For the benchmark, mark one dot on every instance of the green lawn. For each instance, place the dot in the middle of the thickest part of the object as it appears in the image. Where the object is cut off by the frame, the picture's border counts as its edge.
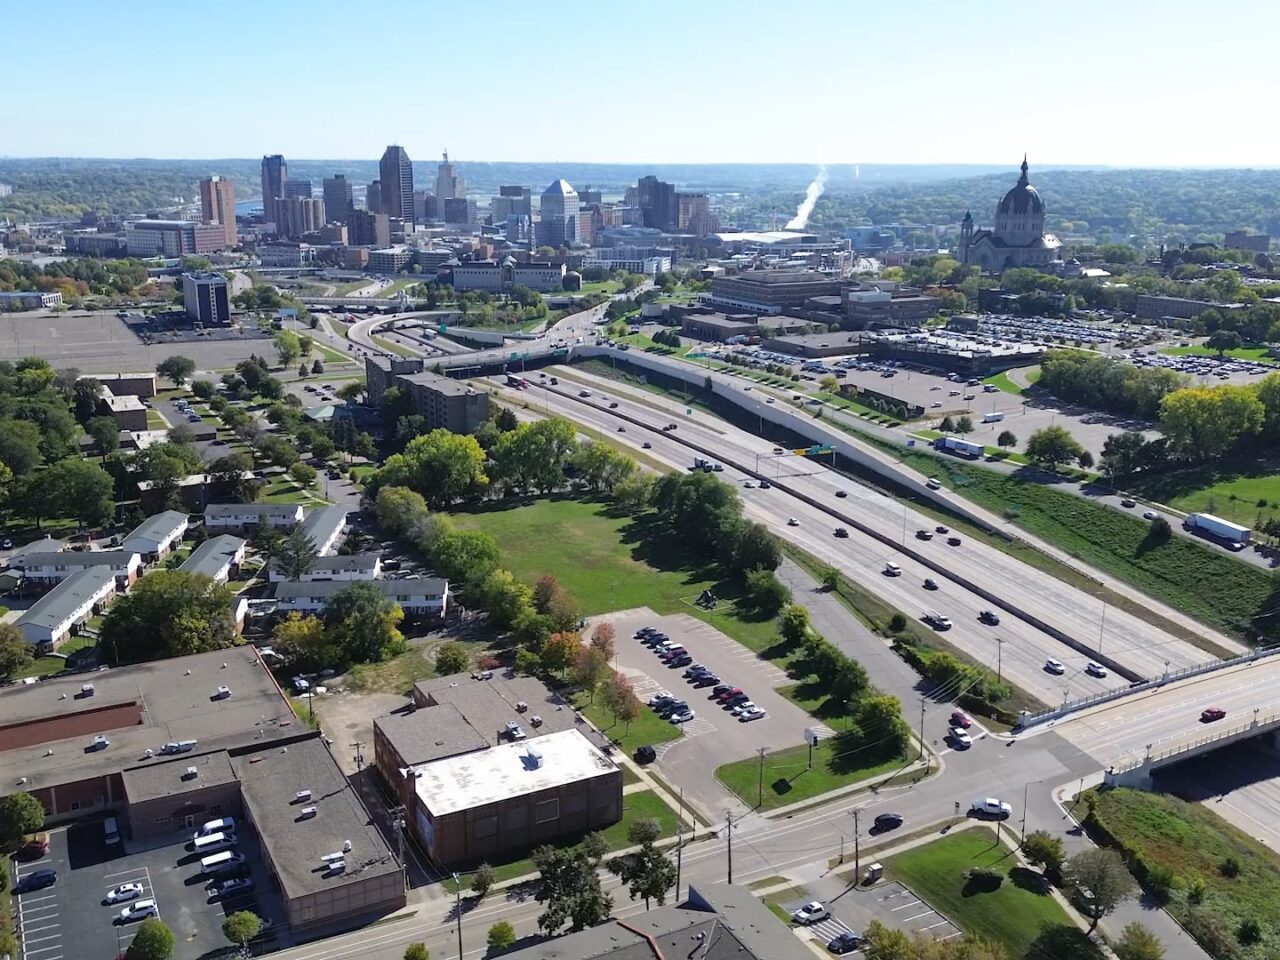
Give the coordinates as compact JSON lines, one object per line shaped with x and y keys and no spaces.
{"x":616,"y":562}
{"x":284,"y":490}
{"x":1190,"y":841}
{"x":787,"y":778}
{"x":326,"y":353}
{"x":606,"y":287}
{"x":1240,"y":493}
{"x":44,"y":666}
{"x":646,"y":728}
{"x":635,"y":806}
{"x":394,"y":347}
{"x":1002,"y":381}
{"x":1014,"y":914}
{"x":155,"y":421}
{"x":1239,"y":353}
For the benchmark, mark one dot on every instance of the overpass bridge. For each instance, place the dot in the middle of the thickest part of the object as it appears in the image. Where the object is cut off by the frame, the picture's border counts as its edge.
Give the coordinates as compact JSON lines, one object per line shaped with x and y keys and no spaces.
{"x":1138,"y":773}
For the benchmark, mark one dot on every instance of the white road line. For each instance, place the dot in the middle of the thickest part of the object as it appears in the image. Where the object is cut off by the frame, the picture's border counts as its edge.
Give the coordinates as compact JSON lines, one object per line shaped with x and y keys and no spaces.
{"x":124,"y":873}
{"x":913,"y":903}
{"x":42,"y":950}
{"x":940,"y":923}
{"x":47,"y":926}
{"x":26,"y":901}
{"x":52,"y":936}
{"x":917,"y":916}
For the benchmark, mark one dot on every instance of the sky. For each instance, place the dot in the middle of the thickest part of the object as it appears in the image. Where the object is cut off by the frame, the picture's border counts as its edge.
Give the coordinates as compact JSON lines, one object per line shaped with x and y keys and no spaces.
{"x":1107,"y":82}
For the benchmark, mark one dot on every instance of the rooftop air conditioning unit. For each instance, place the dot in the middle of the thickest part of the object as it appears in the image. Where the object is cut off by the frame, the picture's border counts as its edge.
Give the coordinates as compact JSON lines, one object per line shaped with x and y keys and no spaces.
{"x":346,"y":846}
{"x":302,"y":796}
{"x":308,"y":812}
{"x":191,"y":773}
{"x":86,"y":690}
{"x":331,"y":857}
{"x":337,"y":866}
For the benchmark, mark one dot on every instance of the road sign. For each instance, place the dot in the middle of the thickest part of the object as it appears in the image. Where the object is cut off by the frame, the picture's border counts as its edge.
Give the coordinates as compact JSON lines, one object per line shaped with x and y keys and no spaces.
{"x":441,"y":328}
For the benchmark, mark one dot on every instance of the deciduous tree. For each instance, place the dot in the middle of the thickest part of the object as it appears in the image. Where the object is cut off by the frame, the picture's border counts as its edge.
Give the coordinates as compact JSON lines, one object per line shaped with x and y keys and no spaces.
{"x":451,"y":657}
{"x":152,"y":941}
{"x":168,"y":613}
{"x":177,"y":368}
{"x":1104,"y":874}
{"x":1138,"y":943}
{"x":20,"y":814}
{"x":15,"y":652}
{"x":241,"y":927}
{"x":569,"y":888}
{"x":1043,"y":849}
{"x":1052,"y":447}
{"x":484,"y":878}
{"x":366,"y":624}
{"x":501,"y":935}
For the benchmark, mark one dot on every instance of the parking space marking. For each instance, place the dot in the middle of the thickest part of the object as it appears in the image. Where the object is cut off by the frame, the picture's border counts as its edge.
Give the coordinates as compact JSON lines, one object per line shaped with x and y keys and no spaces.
{"x":905,"y":906}
{"x":917,"y":916}
{"x":940,"y":923}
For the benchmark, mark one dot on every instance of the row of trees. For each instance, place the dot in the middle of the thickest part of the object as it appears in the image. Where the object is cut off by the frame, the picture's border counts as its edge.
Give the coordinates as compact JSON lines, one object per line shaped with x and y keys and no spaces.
{"x":357,"y":625}
{"x":1105,"y":384}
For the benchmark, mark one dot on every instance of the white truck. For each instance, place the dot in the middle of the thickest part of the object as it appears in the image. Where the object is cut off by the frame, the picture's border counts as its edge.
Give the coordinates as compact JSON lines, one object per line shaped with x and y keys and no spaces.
{"x":993,"y":417}
{"x":962,"y":448}
{"x":1234,"y":535}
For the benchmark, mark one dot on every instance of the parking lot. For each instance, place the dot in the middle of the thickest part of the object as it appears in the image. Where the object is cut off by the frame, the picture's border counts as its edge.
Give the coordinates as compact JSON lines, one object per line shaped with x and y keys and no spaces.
{"x":72,"y":919}
{"x":714,"y":736}
{"x":852,"y":908}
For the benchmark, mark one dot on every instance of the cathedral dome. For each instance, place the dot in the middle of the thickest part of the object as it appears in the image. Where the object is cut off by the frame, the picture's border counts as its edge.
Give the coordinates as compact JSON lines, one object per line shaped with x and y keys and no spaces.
{"x":1022,"y":199}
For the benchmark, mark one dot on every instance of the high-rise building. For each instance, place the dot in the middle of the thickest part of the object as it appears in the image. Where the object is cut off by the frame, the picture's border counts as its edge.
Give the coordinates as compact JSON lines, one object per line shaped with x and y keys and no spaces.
{"x":373,"y":197}
{"x":448,"y":183}
{"x":218,"y":205}
{"x":368,"y":229}
{"x":173,"y":238}
{"x":298,"y":187}
{"x":511,"y":201}
{"x":558,"y":217}
{"x":588,"y":196}
{"x":395,"y":174}
{"x":337,"y":198}
{"x":298,"y":216}
{"x":205,"y":298}
{"x":459,"y":210}
{"x":693,"y":213}
{"x":658,"y":203}
{"x":274,"y":173}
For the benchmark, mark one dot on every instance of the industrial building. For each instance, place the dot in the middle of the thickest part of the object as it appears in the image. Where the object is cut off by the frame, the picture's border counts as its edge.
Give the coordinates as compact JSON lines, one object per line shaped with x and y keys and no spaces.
{"x":772,"y":291}
{"x":816,"y":344}
{"x":444,"y":403}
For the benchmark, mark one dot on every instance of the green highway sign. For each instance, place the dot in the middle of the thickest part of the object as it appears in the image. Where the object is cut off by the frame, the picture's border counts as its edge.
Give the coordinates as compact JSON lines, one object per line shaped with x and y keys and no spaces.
{"x":817,"y":450}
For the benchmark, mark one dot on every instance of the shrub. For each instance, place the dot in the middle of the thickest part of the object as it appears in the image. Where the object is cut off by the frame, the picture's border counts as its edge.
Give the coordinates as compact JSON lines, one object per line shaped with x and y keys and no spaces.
{"x":1249,"y":932}
{"x":897,"y":623}
{"x":1230,"y":867}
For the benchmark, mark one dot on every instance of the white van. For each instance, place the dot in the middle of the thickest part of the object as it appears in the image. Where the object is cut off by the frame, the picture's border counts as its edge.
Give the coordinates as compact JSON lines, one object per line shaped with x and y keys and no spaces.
{"x":221,"y":825}
{"x":219,"y":862}
{"x":213,"y":842}
{"x":111,"y":831}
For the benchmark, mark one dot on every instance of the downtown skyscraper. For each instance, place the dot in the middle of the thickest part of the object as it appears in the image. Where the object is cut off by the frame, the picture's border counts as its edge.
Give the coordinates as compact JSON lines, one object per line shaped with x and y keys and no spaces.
{"x":218,"y":205}
{"x":395,"y":179}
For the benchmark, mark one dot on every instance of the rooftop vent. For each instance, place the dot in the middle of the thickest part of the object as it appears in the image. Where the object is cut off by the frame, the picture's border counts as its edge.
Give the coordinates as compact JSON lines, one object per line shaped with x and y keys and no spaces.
{"x":191,"y":773}
{"x":86,"y":690}
{"x":331,"y":857}
{"x":535,"y":757}
{"x":308,"y":812}
{"x":346,"y":846}
{"x":302,"y":796}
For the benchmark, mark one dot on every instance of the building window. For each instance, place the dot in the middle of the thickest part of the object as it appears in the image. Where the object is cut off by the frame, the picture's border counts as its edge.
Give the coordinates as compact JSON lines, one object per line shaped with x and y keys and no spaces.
{"x":75,"y":804}
{"x":547,"y":810}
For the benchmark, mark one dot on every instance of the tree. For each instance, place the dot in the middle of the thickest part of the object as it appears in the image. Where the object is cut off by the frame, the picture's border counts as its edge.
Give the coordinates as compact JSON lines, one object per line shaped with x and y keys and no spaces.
{"x":444,"y":467}
{"x":1137,"y":943}
{"x":766,"y":592}
{"x":602,"y":639}
{"x":351,"y":392}
{"x":152,"y":941}
{"x":644,"y":830}
{"x":20,"y":814}
{"x":964,"y":424}
{"x":1223,"y":340}
{"x":168,"y":613}
{"x":398,"y":509}
{"x":620,"y":699}
{"x":202,"y":389}
{"x":452,"y":657}
{"x":1052,"y":446}
{"x":947,"y":425}
{"x":317,"y":367}
{"x":484,"y":878}
{"x":176,"y":368}
{"x":1085,"y":460}
{"x":506,"y":419}
{"x":365,"y":624}
{"x":754,"y":548}
{"x":569,"y":887}
{"x":277,"y":451}
{"x":883,"y":943}
{"x":15,"y":652}
{"x":1042,"y":849}
{"x":241,"y":927}
{"x":501,"y":935}
{"x":464,"y":554}
{"x":417,"y":951}
{"x":287,"y":346}
{"x":1007,"y":439}
{"x":20,"y":446}
{"x":105,"y":433}
{"x":80,"y":489}
{"x":794,"y":624}
{"x":589,"y":669}
{"x":830,"y":578}
{"x":302,"y":638}
{"x":1105,"y":875}
{"x":1202,"y":423}
{"x":303,"y":474}
{"x":296,"y":555}
{"x":558,"y":652}
{"x":647,"y":873}
{"x":533,"y":455}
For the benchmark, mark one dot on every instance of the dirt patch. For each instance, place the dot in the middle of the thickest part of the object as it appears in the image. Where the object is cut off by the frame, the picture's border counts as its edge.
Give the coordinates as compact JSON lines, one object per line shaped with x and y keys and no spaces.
{"x":347,"y":719}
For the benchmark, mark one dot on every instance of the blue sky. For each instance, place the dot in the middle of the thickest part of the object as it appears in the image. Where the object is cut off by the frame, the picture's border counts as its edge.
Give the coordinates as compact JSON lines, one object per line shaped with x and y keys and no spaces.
{"x":1121,"y":83}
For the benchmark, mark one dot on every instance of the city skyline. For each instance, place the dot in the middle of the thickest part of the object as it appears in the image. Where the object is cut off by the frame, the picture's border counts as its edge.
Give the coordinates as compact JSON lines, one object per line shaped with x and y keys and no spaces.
{"x":1040,"y":81}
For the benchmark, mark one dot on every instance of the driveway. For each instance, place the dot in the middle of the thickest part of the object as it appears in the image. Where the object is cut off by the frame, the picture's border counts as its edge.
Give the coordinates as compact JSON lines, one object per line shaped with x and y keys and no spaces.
{"x":714,"y":737}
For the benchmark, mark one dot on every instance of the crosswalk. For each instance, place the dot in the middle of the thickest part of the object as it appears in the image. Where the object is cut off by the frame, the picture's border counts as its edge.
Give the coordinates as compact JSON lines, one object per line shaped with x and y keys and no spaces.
{"x":830,"y":928}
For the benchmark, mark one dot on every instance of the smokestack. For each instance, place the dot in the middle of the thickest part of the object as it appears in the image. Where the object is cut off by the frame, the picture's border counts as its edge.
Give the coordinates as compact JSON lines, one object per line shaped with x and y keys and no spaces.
{"x":811,"y":195}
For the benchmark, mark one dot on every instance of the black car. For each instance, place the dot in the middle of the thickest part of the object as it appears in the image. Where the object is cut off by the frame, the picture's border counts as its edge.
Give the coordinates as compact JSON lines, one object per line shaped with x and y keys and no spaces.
{"x":721,"y":688}
{"x":706,"y":680}
{"x":645,"y":754}
{"x":645,"y":631}
{"x":845,"y":942}
{"x":842,"y":494}
{"x":954,"y":541}
{"x":696,"y":669}
{"x":36,"y":880}
{"x":989,"y":617}
{"x":734,"y":701}
{"x":681,"y":661}
{"x":675,"y":706}
{"x":765,"y":484}
{"x":653,"y":639}
{"x":888,"y":821}
{"x":662,"y":702}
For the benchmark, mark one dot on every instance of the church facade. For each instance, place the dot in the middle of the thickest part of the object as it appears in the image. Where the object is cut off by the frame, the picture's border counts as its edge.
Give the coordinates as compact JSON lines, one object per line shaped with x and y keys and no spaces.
{"x":1018,"y":238}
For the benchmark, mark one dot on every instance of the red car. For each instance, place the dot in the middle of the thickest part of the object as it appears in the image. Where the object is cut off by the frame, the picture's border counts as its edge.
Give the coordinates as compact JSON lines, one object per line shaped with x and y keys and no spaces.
{"x":961,"y":719}
{"x":1212,"y":714}
{"x":729,"y":694}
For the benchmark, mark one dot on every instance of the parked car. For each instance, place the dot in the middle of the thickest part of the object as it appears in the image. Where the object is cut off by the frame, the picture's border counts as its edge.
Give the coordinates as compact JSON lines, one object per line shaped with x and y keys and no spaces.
{"x":231,"y":887}
{"x":729,"y":694}
{"x":36,"y":880}
{"x":645,"y":754}
{"x":126,"y":891}
{"x":138,"y":910}
{"x":845,"y":942}
{"x":960,"y":737}
{"x":683,"y":660}
{"x":755,"y":713}
{"x":681,"y":716}
{"x":810,"y":913}
{"x":742,"y":707}
{"x":706,"y":680}
{"x":34,"y":848}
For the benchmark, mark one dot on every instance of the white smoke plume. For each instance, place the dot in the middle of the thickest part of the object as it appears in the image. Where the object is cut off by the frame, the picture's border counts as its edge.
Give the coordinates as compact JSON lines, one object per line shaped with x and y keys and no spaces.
{"x":811,"y":195}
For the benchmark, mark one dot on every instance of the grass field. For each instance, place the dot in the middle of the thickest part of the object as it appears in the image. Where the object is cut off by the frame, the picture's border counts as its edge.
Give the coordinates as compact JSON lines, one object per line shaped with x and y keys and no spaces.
{"x":1002,"y":381}
{"x":1239,"y":353}
{"x":787,"y":779}
{"x":394,"y":347}
{"x":1241,"y":494}
{"x":1208,"y":585}
{"x":1027,"y":922}
{"x":606,"y":287}
{"x":1189,"y":842}
{"x":44,"y":666}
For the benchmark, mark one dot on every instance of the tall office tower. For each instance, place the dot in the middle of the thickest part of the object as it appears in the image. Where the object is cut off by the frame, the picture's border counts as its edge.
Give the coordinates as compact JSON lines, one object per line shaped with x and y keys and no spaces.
{"x":337,"y":198}
{"x":395,"y":173}
{"x":218,"y":205}
{"x":511,"y":201}
{"x":274,"y":173}
{"x":558,"y":217}
{"x":658,"y":203}
{"x":448,"y":184}
{"x":366,"y":229}
{"x":298,"y":187}
{"x":373,"y":197}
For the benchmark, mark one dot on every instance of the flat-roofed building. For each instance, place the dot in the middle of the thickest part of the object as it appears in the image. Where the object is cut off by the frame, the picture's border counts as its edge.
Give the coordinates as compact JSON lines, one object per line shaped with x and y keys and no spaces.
{"x":443,"y":402}
{"x":246,"y":516}
{"x":356,"y":566}
{"x":59,"y":614}
{"x":128,"y":412}
{"x":815,"y":344}
{"x":1153,"y":306}
{"x":403,"y":740}
{"x":218,"y":558}
{"x":323,"y":526}
{"x":427,"y":597}
{"x":157,"y":535}
{"x":173,"y":238}
{"x":772,"y":291}
{"x":46,"y":569}
{"x":390,"y":260}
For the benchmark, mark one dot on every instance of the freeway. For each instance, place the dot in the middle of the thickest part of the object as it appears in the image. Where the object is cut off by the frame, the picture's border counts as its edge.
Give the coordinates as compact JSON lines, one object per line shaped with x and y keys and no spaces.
{"x":1131,"y":641}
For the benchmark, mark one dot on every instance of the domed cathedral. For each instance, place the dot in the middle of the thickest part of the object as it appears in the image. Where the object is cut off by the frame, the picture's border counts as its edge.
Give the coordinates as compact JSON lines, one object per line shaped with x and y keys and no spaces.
{"x":1018,"y":239}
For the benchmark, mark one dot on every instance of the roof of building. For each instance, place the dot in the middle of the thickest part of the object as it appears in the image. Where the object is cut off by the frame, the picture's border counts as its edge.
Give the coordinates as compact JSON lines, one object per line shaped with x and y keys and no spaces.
{"x":74,"y":558}
{"x":490,"y":704}
{"x":434,"y":381}
{"x":323,"y":522}
{"x":211,"y":556}
{"x":720,"y":320}
{"x":1022,"y":198}
{"x":67,"y":597}
{"x":509,"y":770}
{"x":172,"y":778}
{"x":774,"y":277}
{"x":431,"y":733}
{"x":261,"y":509}
{"x":426,"y":586}
{"x":723,"y":923}
{"x":158,"y":527}
{"x":43,"y":545}
{"x":140,"y":707}
{"x":351,"y":563}
{"x":559,"y":188}
{"x":270,"y":780}
{"x":123,"y":403}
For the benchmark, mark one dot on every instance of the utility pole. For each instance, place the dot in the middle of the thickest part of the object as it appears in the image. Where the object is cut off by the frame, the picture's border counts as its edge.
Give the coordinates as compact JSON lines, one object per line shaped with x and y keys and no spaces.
{"x":729,"y":818}
{"x":999,"y":660}
{"x":679,"y":842}
{"x":922,"y":704}
{"x":457,"y":896}
{"x":760,"y":780}
{"x":857,"y":846}
{"x":358,"y":744}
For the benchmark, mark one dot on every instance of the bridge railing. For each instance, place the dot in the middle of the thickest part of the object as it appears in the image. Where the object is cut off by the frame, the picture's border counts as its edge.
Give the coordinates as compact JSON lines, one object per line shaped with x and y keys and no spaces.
{"x":1173,"y":676}
{"x":1255,"y":725}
